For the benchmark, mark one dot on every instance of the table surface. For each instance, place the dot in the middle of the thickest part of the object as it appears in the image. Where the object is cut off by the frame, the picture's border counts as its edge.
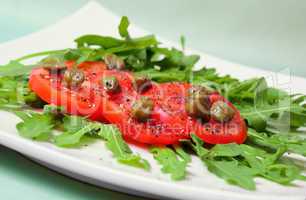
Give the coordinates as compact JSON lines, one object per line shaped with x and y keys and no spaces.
{"x":264,"y":34}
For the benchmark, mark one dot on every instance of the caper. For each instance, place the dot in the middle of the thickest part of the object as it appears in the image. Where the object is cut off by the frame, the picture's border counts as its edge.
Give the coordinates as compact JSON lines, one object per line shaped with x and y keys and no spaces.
{"x":53,"y":63}
{"x":74,"y":77}
{"x":201,"y":90}
{"x":142,"y":109}
{"x":142,"y":83}
{"x":111,"y":84}
{"x":114,"y":62}
{"x":221,"y":111}
{"x":197,"y":102}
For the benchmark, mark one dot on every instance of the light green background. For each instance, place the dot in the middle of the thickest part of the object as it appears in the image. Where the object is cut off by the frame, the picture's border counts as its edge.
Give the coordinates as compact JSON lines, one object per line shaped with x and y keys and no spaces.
{"x":268,"y":34}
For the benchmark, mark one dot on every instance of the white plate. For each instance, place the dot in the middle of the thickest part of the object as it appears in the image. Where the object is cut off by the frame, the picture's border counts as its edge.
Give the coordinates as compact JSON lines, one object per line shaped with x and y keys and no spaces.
{"x":94,"y":163}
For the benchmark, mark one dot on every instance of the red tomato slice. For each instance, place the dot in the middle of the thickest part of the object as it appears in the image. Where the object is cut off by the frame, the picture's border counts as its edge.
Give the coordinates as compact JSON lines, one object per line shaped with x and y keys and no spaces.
{"x":85,"y":100}
{"x":161,"y":128}
{"x":172,"y":96}
{"x":214,"y":132}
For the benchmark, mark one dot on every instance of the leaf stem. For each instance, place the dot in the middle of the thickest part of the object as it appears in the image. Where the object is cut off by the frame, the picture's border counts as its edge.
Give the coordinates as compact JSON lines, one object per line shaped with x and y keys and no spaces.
{"x":43,"y":53}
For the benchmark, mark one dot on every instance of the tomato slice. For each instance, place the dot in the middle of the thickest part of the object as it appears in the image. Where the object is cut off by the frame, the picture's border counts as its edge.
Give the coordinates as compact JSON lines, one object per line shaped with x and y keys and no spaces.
{"x":172,"y":99}
{"x":214,"y":132}
{"x":161,"y":128}
{"x":85,"y":100}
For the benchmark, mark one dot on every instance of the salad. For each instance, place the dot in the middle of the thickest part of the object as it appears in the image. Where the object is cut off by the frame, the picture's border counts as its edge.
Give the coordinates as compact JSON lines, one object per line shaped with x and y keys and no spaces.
{"x":134,"y":90}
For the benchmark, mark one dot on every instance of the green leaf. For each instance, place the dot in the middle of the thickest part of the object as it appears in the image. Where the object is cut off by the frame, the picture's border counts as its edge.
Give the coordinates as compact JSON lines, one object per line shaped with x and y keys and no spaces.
{"x":105,"y":42}
{"x":198,"y":146}
{"x":68,"y":139}
{"x":232,"y":172}
{"x":164,"y":75}
{"x":134,"y":44}
{"x":83,"y":54}
{"x":120,"y":149}
{"x":72,"y":123}
{"x":40,"y":54}
{"x":211,"y":77}
{"x":111,"y":45}
{"x":182,"y":153}
{"x":170,"y":162}
{"x":253,"y":90}
{"x":35,"y":126}
{"x":240,"y":164}
{"x":225,"y":150}
{"x":15,"y":68}
{"x":76,"y":128}
{"x":15,"y":93}
{"x":183,"y":42}
{"x":52,"y":109}
{"x":174,"y":58}
{"x":135,"y":161}
{"x":123,"y":27}
{"x":283,"y":174}
{"x":293,"y":143}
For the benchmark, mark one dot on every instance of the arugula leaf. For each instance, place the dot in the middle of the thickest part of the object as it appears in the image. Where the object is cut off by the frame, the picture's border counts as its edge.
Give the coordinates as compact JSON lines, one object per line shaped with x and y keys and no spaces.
{"x":119,"y":148}
{"x":250,"y":162}
{"x":40,"y":54}
{"x":293,"y":143}
{"x":73,"y":123}
{"x":170,"y":162}
{"x":76,"y":128}
{"x":83,"y":54}
{"x":123,"y":27}
{"x":174,"y":58}
{"x":164,"y":75}
{"x":113,"y":45}
{"x":183,"y":42}
{"x":198,"y":146}
{"x":16,"y":94}
{"x":248,"y":90}
{"x":68,"y":139}
{"x":104,"y":42}
{"x":182,"y":153}
{"x":265,"y":108}
{"x":134,"y":44}
{"x":225,"y":150}
{"x":15,"y":68}
{"x":52,"y":109}
{"x":232,"y":172}
{"x":210,"y":77}
{"x":240,"y":164}
{"x":35,"y":126}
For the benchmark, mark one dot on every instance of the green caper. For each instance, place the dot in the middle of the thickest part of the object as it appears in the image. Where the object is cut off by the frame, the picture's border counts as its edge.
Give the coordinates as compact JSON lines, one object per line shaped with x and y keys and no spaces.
{"x":74,"y":77}
{"x":53,"y":63}
{"x":197,"y":102}
{"x":111,"y":84}
{"x":201,"y":90}
{"x":221,"y":111}
{"x":142,"y":109}
{"x":142,"y":83}
{"x":114,"y":62}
